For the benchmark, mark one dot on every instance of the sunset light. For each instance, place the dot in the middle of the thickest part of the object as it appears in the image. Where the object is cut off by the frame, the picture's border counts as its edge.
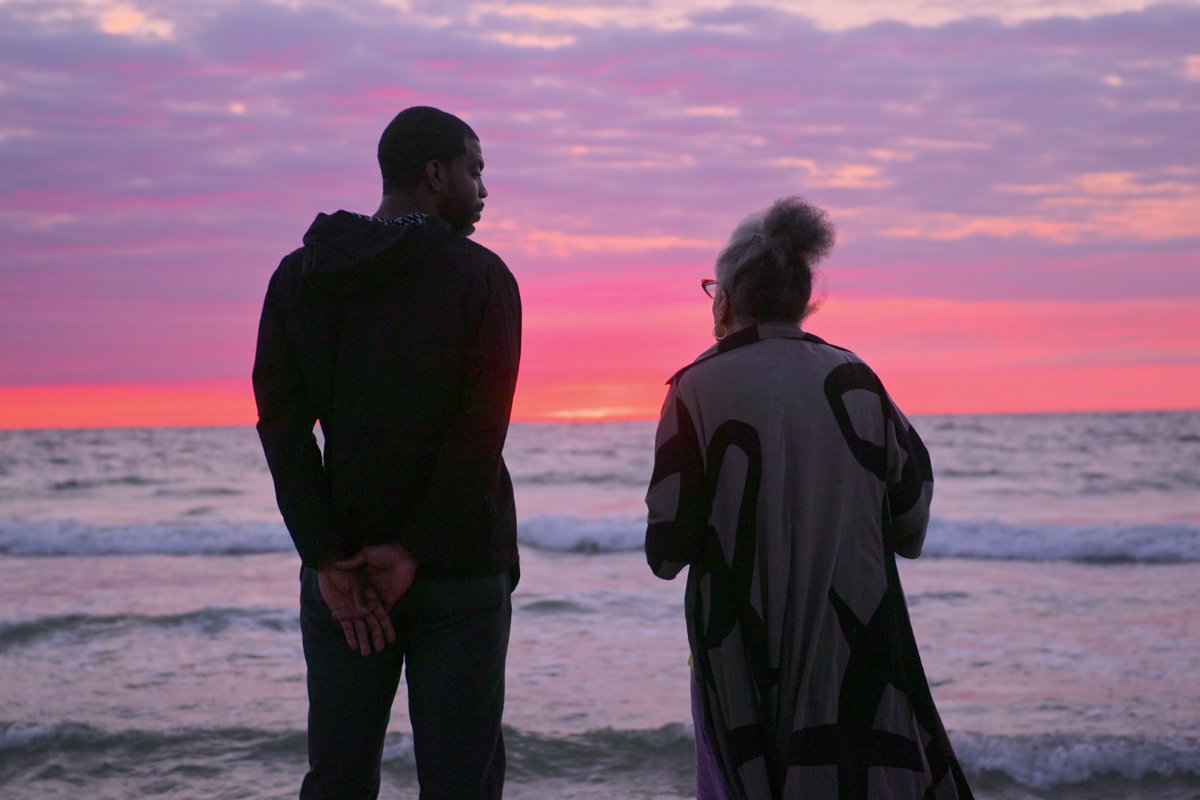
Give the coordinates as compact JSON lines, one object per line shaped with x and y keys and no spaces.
{"x":1016,"y":195}
{"x":945,"y":542}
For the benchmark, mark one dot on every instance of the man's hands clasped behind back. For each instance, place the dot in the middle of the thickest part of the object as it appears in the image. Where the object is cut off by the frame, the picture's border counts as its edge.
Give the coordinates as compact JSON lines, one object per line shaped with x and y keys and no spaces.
{"x":361,"y":591}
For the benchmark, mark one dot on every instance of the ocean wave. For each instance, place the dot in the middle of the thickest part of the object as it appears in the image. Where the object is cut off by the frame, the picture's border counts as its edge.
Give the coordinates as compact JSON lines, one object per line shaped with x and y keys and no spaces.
{"x":1037,"y":761}
{"x":978,"y":539}
{"x":1086,"y":543}
{"x":75,"y":629}
{"x":624,"y":480}
{"x":78,"y":484}
{"x":17,"y":738}
{"x":604,"y":752}
{"x":70,"y":537}
{"x":569,"y":534}
{"x":1048,"y":760}
{"x":530,"y":755}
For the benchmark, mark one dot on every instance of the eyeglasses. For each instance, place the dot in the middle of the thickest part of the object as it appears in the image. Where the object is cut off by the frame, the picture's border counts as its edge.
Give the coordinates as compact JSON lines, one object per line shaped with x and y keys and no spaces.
{"x":709,"y":285}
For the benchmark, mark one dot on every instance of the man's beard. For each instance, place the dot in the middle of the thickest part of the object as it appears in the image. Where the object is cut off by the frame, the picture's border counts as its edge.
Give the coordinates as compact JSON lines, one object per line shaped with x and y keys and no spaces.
{"x":463,"y":228}
{"x":460,"y":219}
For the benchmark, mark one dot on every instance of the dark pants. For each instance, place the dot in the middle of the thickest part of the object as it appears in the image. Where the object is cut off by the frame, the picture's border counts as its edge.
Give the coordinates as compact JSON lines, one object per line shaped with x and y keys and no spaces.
{"x":454,"y":637}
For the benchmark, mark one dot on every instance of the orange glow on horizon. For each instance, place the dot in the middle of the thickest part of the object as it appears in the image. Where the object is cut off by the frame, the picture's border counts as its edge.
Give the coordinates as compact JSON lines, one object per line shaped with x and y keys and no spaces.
{"x":918,"y":391}
{"x":583,"y":361}
{"x":127,"y":406}
{"x":220,"y":403}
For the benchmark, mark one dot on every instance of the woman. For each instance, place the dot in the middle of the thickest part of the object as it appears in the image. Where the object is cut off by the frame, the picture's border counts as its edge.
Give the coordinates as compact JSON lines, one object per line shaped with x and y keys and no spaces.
{"x":786,"y":480}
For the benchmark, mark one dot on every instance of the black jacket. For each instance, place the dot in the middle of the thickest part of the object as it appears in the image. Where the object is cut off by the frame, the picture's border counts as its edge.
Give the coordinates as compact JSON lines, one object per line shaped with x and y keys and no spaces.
{"x":403,"y":341}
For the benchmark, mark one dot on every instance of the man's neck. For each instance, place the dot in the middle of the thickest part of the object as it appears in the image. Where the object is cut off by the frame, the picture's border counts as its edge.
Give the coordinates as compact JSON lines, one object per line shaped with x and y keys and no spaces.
{"x":398,"y":205}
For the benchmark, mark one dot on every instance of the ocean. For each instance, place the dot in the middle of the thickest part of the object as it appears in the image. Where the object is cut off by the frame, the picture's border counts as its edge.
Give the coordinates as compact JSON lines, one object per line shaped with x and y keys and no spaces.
{"x":150,"y":646}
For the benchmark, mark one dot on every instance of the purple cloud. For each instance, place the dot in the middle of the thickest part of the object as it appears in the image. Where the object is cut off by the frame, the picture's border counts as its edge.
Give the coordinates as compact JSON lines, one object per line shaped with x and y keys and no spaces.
{"x":150,"y":182}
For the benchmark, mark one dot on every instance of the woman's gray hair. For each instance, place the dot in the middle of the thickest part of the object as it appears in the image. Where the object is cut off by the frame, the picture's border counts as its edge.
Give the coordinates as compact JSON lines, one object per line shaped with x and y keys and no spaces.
{"x":767,"y":267}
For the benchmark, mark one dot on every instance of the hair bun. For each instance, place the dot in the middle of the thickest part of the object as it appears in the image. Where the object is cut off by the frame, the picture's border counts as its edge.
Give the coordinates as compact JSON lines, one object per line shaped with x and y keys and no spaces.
{"x":796,"y":231}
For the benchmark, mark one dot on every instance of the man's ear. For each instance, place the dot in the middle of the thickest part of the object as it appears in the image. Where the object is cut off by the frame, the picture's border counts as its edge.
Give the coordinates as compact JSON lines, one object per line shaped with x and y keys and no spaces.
{"x":435,"y":175}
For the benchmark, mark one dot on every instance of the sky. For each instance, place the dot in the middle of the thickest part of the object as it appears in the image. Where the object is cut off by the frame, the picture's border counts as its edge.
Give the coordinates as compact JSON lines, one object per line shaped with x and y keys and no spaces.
{"x":1015,"y":184}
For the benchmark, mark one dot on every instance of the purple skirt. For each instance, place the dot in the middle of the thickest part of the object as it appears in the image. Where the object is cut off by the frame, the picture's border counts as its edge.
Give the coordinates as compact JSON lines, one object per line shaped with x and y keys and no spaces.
{"x":710,"y":785}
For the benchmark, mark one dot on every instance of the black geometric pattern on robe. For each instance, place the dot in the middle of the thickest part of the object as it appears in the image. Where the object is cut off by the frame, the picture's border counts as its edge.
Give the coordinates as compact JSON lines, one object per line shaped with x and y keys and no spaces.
{"x":938,"y":752}
{"x":730,"y":606}
{"x":873,"y":457}
{"x":883,"y":652}
{"x":729,"y":583}
{"x":679,"y":455}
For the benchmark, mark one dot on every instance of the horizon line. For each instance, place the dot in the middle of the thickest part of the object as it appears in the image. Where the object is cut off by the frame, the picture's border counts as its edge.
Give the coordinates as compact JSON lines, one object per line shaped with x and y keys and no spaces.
{"x":230,"y":403}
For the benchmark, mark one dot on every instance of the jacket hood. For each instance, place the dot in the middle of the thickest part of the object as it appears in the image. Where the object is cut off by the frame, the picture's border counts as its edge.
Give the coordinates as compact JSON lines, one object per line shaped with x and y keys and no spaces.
{"x":346,"y":251}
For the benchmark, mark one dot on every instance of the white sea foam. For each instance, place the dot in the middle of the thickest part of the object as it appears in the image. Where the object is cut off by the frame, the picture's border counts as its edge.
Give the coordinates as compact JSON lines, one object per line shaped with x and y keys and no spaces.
{"x":575,"y":534}
{"x":1049,"y":760}
{"x":980,"y":539}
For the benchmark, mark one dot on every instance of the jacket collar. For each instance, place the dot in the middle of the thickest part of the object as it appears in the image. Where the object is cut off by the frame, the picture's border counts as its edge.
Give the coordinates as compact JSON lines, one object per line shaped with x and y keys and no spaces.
{"x":750,"y":335}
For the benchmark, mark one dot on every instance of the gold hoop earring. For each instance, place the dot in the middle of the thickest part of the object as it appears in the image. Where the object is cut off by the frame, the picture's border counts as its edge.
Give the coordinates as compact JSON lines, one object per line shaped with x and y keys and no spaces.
{"x":719,"y":331}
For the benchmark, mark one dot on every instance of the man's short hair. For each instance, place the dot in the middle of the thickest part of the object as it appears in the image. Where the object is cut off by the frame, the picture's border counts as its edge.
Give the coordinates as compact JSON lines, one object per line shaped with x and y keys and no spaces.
{"x":415,"y":137}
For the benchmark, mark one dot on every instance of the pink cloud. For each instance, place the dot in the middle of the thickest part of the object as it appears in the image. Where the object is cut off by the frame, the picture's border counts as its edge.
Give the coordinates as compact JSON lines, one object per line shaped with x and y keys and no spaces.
{"x":149,"y":184}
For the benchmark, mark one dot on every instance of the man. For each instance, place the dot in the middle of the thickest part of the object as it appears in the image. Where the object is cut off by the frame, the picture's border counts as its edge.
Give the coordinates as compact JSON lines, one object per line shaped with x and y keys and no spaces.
{"x":402,"y":338}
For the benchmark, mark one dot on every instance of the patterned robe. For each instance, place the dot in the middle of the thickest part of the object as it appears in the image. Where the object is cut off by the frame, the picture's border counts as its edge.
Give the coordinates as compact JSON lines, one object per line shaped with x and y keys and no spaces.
{"x":787,"y":480}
